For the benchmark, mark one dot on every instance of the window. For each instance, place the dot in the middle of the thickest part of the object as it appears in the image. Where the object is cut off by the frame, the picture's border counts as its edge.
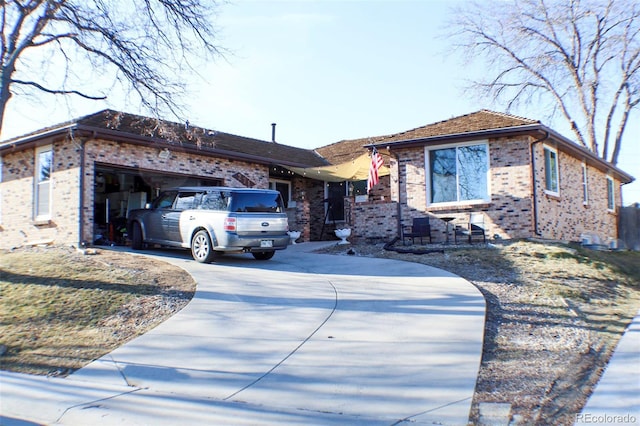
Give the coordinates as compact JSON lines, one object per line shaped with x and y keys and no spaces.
{"x":358,"y":187}
{"x":214,"y":200}
{"x":246,"y":202}
{"x":284,"y":187}
{"x":551,"y":170}
{"x":458,"y":174}
{"x":165,"y":200}
{"x":611,"y":205}
{"x":44,"y":167}
{"x":185,"y":201}
{"x":585,"y":186}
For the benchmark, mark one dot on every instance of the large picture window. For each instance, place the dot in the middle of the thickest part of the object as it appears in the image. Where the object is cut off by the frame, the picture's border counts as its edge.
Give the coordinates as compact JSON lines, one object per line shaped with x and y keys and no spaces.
{"x":458,"y":174}
{"x":551,"y":170}
{"x":44,"y":167}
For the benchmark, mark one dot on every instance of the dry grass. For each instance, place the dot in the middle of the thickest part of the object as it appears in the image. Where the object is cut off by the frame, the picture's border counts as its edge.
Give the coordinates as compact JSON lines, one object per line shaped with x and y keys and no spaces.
{"x":60,"y":309}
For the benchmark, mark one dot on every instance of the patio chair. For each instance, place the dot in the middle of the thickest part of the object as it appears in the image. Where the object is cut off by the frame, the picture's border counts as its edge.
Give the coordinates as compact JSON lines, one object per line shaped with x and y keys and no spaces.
{"x":475,"y":228}
{"x":420,"y":228}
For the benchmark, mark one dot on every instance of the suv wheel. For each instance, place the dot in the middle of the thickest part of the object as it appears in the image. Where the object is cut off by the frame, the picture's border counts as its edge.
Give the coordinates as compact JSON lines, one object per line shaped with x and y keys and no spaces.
{"x":136,"y":236}
{"x":201,"y":248}
{"x":263,"y":255}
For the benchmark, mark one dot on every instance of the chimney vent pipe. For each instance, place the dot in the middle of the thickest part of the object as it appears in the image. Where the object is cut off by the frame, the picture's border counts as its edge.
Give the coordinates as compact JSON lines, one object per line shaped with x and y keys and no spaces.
{"x":273,"y":132}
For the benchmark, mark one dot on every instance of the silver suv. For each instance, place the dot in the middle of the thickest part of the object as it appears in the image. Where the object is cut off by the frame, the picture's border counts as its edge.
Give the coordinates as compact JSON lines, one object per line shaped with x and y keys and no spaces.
{"x":212,"y":221}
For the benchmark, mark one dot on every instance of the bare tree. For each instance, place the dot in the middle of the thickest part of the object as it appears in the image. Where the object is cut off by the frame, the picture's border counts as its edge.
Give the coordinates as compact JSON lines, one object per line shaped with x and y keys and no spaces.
{"x":143,"y":45}
{"x":581,"y":58}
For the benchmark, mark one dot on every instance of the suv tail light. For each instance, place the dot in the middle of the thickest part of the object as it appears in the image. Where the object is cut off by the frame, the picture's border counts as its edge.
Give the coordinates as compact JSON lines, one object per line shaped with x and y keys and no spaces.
{"x":230,"y":224}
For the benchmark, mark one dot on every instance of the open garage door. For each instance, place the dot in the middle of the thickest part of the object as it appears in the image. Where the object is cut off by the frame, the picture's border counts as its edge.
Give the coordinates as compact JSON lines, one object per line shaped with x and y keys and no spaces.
{"x":118,"y":190}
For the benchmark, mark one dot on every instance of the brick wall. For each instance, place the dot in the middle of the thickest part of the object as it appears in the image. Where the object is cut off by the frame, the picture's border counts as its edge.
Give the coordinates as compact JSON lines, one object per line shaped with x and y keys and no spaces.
{"x":188,"y":164}
{"x":510,"y":213}
{"x":309,"y":211}
{"x":372,"y":220}
{"x":567,"y":217}
{"x":17,"y":224}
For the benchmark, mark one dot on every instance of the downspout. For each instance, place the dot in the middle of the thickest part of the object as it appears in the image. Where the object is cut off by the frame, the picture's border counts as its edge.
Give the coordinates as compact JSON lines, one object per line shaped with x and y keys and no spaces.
{"x":533,"y":183}
{"x":81,"y":243}
{"x":81,"y":200}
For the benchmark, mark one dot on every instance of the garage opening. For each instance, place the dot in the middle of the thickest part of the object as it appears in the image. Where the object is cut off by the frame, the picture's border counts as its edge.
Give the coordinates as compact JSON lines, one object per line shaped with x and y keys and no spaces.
{"x":118,"y":190}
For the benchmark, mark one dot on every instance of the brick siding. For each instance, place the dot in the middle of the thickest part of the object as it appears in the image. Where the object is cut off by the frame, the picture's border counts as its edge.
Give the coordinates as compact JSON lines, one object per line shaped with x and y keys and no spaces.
{"x":567,"y":217}
{"x":17,"y":191}
{"x":309,"y":211}
{"x":510,"y":213}
{"x":17,"y":226}
{"x":372,"y":221}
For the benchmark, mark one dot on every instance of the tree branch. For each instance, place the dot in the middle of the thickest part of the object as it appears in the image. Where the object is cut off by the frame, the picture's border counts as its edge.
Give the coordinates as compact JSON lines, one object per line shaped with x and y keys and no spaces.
{"x":58,"y":91}
{"x":145,"y":45}
{"x":581,"y":57}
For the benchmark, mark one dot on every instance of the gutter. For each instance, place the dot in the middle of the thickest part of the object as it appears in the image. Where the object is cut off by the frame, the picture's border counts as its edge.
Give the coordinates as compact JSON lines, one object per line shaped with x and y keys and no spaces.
{"x":503,"y":131}
{"x":32,"y":140}
{"x":564,"y":144}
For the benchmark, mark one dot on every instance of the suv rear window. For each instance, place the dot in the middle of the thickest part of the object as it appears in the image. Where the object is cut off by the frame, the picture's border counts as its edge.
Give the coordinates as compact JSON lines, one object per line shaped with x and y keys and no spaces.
{"x":256,"y":202}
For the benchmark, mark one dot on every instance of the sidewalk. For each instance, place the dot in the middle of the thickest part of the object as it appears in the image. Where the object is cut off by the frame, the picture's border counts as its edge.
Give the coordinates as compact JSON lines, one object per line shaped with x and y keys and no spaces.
{"x":616,"y":398}
{"x":301,"y":339}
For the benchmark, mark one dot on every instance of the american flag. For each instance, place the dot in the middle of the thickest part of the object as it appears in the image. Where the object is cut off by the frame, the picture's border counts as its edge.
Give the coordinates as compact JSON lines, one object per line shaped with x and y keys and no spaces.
{"x":376,"y":163}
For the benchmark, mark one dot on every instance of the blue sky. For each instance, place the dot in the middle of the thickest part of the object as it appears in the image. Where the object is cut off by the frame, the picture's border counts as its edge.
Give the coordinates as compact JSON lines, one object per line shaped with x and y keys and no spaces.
{"x":323,"y":71}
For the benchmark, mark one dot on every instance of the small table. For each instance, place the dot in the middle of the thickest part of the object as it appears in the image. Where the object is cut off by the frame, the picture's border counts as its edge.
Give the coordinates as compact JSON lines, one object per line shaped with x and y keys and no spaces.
{"x":446,"y":220}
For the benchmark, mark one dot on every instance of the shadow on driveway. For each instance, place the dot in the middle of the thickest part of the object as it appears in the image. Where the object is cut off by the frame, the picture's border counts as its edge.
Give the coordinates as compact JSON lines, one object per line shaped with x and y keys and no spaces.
{"x":379,"y":340}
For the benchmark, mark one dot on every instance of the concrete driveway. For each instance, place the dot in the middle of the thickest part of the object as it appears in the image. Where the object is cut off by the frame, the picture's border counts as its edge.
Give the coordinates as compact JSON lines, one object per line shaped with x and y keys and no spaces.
{"x":301,"y":339}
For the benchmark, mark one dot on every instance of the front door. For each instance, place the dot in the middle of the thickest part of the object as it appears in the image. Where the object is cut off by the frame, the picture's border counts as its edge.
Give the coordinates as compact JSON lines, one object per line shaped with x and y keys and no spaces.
{"x":335,"y":193}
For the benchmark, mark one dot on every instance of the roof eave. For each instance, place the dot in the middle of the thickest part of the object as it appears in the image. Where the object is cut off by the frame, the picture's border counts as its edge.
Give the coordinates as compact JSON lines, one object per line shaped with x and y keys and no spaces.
{"x":97,"y":132}
{"x":458,"y":137}
{"x":580,"y":151}
{"x":536,"y":128}
{"x":34,"y":138}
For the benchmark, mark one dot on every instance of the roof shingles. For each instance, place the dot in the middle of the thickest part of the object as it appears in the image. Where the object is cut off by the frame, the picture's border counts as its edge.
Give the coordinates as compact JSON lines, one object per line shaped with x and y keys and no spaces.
{"x":200,"y":137}
{"x":347,"y":150}
{"x":127,"y":125}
